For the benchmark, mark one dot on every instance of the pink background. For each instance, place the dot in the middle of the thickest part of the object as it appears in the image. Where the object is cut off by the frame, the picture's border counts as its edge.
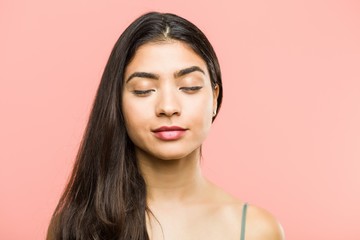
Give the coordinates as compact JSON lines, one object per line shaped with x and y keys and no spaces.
{"x":287,"y":137}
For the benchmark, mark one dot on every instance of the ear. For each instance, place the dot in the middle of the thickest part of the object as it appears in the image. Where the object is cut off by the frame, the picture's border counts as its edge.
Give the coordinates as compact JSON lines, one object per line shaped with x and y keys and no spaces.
{"x":216,"y":91}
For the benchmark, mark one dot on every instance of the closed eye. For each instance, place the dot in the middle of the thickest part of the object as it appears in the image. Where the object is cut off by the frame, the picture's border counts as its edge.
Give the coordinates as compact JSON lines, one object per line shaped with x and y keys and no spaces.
{"x":191,"y":89}
{"x":143,"y":92}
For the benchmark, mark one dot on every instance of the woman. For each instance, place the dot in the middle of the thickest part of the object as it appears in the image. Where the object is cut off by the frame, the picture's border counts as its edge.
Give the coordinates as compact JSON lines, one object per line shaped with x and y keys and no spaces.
{"x":137,"y":173}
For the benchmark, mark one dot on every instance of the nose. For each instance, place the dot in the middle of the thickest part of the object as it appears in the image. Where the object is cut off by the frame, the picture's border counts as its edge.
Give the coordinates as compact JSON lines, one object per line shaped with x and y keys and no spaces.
{"x":168,"y":104}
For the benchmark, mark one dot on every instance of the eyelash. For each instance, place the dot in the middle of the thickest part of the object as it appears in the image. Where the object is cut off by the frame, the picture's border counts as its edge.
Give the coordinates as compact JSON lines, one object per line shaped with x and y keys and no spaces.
{"x":141,"y":93}
{"x":191,"y":89}
{"x":186,"y":89}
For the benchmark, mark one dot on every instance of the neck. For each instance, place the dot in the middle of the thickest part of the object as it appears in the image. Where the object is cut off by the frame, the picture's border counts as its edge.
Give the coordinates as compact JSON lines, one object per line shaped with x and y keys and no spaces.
{"x":176,"y":180}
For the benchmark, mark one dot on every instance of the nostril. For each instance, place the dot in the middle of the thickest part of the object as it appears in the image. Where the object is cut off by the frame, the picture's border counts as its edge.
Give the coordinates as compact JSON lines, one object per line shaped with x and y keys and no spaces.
{"x":169,"y":113}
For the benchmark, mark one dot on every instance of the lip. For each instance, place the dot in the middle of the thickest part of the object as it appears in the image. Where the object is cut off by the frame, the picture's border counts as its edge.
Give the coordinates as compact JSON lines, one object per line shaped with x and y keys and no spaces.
{"x":169,"y":128}
{"x":169,"y":133}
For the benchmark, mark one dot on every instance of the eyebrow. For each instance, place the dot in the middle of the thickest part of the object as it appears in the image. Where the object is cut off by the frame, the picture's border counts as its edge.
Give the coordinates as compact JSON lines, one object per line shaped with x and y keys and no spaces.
{"x":177,"y":74}
{"x":143,"y":75}
{"x":188,"y":70}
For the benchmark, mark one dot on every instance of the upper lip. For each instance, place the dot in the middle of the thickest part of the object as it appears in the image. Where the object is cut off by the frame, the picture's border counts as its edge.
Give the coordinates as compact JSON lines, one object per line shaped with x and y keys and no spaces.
{"x":168,"y":128}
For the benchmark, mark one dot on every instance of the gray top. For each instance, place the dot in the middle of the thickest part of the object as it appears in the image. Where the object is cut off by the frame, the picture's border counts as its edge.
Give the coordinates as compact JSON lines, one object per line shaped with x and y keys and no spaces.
{"x":243,"y":222}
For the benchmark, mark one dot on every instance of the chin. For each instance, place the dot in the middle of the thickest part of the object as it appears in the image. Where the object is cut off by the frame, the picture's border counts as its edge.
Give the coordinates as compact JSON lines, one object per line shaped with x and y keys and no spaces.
{"x":168,"y":156}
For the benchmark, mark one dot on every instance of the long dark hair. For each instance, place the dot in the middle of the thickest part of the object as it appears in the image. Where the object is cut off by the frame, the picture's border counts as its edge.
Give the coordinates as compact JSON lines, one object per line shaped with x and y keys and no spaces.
{"x":106,"y":194}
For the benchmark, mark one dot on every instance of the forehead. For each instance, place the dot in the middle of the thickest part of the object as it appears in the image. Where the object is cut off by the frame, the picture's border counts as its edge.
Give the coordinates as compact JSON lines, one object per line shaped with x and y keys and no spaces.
{"x":164,"y":57}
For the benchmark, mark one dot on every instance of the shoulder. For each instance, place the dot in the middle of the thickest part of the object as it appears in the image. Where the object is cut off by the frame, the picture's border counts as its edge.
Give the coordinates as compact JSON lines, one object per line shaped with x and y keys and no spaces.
{"x":261,"y":225}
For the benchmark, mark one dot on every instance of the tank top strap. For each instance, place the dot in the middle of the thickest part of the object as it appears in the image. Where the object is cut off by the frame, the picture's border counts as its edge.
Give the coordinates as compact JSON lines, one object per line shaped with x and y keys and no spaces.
{"x":243,"y":222}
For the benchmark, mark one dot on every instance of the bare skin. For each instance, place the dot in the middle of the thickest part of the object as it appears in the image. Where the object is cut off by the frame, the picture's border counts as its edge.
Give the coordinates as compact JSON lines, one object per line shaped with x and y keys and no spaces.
{"x":188,"y":206}
{"x":184,"y":204}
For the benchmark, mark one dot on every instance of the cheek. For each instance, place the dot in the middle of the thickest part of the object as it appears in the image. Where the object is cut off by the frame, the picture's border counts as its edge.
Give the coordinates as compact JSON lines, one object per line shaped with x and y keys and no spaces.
{"x":201,"y":111}
{"x":136,"y":115}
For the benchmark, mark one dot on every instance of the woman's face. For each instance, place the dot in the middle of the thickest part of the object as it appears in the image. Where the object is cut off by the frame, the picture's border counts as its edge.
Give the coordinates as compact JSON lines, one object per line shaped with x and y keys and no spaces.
{"x":168,"y":101}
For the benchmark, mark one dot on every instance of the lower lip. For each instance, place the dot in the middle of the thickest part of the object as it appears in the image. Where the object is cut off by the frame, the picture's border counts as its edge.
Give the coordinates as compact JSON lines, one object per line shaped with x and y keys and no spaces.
{"x":170,"y":135}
